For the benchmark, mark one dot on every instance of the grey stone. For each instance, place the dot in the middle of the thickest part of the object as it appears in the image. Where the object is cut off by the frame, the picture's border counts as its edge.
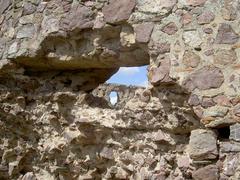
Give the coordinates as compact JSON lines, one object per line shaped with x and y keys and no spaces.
{"x":4,"y":5}
{"x":226,"y":147}
{"x":210,"y":172}
{"x":26,"y":31}
{"x":203,"y":145}
{"x":235,"y":132}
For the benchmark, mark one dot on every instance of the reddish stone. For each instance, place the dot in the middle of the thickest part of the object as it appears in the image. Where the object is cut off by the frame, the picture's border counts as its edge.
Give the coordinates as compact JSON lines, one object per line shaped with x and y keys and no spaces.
{"x":190,"y":59}
{"x":117,"y":11}
{"x":193,"y":100}
{"x":80,"y":17}
{"x":159,"y":48}
{"x":186,"y":18}
{"x":198,"y":111}
{"x":210,"y":172}
{"x":161,"y":74}
{"x":196,"y":2}
{"x":205,"y":78}
{"x":207,"y":102}
{"x":225,"y":57}
{"x":208,"y":30}
{"x":206,"y":17}
{"x":170,"y":28}
{"x":222,"y":100}
{"x":226,"y":35}
{"x":143,"y":32}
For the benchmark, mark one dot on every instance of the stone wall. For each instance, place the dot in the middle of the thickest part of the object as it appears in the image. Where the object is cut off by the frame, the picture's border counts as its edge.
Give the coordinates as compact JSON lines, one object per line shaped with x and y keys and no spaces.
{"x":57,"y":122}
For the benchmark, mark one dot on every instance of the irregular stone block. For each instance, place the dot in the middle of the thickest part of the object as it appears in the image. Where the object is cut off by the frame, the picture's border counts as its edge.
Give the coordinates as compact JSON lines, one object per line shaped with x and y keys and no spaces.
{"x":190,"y":59}
{"x":143,"y":32}
{"x":203,"y":145}
{"x":210,"y":172}
{"x":117,"y":11}
{"x":206,"y":17}
{"x":226,"y":35}
{"x":225,"y":57}
{"x":196,"y":2}
{"x":4,"y":5}
{"x":170,"y":28}
{"x":205,"y":78}
{"x":235,"y":132}
{"x":227,"y":147}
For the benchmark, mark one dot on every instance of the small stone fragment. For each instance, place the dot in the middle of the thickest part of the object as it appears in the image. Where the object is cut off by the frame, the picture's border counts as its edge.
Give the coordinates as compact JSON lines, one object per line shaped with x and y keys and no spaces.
{"x":193,"y":100}
{"x":236,"y":110}
{"x":206,"y":17}
{"x":170,"y":28}
{"x":190,"y":59}
{"x":207,"y":102}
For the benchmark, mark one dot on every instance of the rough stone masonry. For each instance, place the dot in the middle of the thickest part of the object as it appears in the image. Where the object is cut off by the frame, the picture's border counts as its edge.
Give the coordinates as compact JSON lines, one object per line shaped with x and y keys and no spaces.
{"x":56,"y":120}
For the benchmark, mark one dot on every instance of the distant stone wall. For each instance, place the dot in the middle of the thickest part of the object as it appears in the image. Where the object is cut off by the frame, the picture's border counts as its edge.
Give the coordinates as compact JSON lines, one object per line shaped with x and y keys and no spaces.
{"x":124,"y":93}
{"x":56,"y":121}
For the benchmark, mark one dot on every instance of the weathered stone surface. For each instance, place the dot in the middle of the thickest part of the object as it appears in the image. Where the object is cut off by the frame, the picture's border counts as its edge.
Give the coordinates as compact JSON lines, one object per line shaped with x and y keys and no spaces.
{"x":210,"y":172}
{"x":202,"y":145}
{"x":227,"y":147}
{"x":161,"y":74}
{"x":226,"y":35}
{"x":118,"y":11}
{"x":206,"y":17}
{"x":143,"y":32}
{"x":235,"y":132}
{"x":4,"y":5}
{"x":190,"y":59}
{"x":57,"y":122}
{"x":196,"y":2}
{"x":192,"y":38}
{"x":207,"y":102}
{"x":205,"y":78}
{"x":26,"y":31}
{"x":79,"y":17}
{"x":229,"y":11}
{"x":193,"y":100}
{"x":231,"y":164}
{"x":170,"y":28}
{"x":225,"y":57}
{"x":236,"y":110}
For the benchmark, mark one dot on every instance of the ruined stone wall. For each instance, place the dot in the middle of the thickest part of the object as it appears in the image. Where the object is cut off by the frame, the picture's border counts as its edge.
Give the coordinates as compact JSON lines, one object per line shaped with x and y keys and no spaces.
{"x":56,"y":122}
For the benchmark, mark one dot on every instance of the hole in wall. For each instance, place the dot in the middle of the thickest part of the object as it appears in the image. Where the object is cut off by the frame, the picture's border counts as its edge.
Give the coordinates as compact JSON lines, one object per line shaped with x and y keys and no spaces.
{"x":131,"y":76}
{"x":113,"y":98}
{"x":223,"y":133}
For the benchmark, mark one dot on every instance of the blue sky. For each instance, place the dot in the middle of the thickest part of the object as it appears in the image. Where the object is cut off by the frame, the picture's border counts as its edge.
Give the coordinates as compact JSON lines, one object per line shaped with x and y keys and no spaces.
{"x":129,"y":76}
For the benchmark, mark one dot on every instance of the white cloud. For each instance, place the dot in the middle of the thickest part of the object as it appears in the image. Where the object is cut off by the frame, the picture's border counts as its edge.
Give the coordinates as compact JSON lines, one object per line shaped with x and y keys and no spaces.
{"x":129,"y":70}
